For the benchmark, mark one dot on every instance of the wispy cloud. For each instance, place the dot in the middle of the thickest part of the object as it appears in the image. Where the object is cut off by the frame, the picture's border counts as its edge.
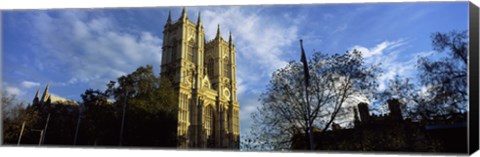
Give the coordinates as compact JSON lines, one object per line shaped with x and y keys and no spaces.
{"x":328,"y":16}
{"x":30,"y":84}
{"x":393,"y":66}
{"x":92,"y":49}
{"x":340,"y":29}
{"x":379,"y":48}
{"x":14,"y":91}
{"x":391,"y":57}
{"x":249,"y":104}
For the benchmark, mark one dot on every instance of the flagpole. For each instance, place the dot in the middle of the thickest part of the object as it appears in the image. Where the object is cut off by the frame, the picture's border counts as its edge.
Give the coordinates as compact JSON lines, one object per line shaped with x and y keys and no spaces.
{"x":307,"y":77}
{"x":310,"y":129}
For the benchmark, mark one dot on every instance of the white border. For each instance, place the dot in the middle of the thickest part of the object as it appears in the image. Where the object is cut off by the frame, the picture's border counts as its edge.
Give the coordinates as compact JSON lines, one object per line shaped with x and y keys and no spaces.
{"x":83,"y":152}
{"x":48,"y":4}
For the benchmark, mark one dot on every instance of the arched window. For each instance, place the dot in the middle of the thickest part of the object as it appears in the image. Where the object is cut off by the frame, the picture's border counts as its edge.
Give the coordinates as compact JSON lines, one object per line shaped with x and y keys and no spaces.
{"x":167,"y":54}
{"x":209,"y":120}
{"x":210,"y":67}
{"x":190,"y":50}
{"x":225,"y":67}
{"x":173,"y":53}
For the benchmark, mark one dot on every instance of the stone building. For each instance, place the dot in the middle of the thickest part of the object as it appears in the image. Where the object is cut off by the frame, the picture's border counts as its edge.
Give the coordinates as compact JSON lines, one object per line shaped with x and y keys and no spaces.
{"x":49,"y":98}
{"x":391,"y":132}
{"x":203,"y":75}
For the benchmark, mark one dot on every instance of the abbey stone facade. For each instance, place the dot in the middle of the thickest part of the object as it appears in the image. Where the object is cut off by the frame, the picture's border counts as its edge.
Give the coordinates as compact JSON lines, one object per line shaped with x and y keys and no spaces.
{"x":203,"y":75}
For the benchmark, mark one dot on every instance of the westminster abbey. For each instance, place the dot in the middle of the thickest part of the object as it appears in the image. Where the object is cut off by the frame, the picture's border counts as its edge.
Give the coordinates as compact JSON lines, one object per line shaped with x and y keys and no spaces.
{"x":203,"y":75}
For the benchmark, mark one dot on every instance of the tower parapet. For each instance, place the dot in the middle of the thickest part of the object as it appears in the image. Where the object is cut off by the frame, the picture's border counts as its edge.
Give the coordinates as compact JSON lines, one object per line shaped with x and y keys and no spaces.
{"x":365,"y":117}
{"x":394,"y":107}
{"x":364,"y":112}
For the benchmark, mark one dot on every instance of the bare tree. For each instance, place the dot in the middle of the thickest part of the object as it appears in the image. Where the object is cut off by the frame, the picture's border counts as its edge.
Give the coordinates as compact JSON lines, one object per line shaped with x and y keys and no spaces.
{"x":445,"y":79}
{"x":333,"y":80}
{"x":442,"y":86}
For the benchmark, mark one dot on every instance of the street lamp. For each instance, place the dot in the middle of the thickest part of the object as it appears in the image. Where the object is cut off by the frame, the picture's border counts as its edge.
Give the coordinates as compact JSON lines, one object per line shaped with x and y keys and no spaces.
{"x":123,"y":118}
{"x":80,"y":111}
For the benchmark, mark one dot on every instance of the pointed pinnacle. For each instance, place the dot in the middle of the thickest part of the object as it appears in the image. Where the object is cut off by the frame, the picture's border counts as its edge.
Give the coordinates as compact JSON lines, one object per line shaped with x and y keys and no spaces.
{"x":46,"y":88}
{"x":169,"y":16}
{"x":184,"y":13}
{"x":199,"y":20}
{"x":218,"y":31}
{"x":45,"y":93}
{"x":38,"y":93}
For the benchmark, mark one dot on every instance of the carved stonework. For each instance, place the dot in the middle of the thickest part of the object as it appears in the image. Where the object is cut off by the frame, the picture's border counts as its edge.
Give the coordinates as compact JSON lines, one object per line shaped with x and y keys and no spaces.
{"x":188,"y":58}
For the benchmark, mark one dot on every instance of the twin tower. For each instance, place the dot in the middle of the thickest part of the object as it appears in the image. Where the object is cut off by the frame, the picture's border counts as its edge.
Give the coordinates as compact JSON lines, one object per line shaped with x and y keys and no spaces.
{"x":203,"y":74}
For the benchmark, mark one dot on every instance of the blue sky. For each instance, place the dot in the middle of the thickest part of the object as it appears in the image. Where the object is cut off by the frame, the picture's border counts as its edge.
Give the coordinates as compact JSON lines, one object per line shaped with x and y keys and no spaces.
{"x":77,"y":49}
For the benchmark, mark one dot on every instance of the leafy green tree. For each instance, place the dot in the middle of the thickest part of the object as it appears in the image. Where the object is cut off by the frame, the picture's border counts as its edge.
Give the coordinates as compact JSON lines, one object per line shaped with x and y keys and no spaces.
{"x":150,"y":108}
{"x":14,"y":114}
{"x":334,"y":79}
{"x":58,"y":122}
{"x":97,"y":123}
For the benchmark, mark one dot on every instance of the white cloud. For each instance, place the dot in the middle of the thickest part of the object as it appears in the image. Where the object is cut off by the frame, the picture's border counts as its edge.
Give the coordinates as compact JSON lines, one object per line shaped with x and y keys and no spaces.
{"x":92,"y":49}
{"x":248,"y":105}
{"x":392,"y":60}
{"x":30,"y":84}
{"x":379,"y":48}
{"x":241,"y":86}
{"x":13,"y":91}
{"x":328,"y":16}
{"x":386,"y":55}
{"x":393,"y":66}
{"x":340,"y":29}
{"x":248,"y":109}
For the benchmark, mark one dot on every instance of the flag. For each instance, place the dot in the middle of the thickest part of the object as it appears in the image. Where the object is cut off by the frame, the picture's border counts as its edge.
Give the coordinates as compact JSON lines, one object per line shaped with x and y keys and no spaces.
{"x":305,"y":64}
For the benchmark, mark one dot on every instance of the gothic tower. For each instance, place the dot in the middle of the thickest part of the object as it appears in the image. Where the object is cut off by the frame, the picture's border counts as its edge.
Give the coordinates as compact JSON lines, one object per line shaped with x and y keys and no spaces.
{"x":203,"y":75}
